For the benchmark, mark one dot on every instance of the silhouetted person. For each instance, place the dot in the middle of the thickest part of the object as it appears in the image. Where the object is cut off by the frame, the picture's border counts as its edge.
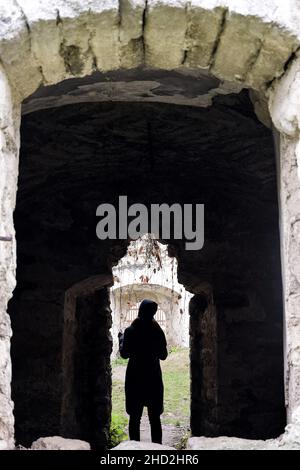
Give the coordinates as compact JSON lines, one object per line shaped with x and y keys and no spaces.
{"x":144,"y":343}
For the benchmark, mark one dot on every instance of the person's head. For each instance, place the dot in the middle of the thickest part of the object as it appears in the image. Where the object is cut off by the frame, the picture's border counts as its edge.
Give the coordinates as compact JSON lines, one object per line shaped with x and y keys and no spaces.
{"x":147,"y":310}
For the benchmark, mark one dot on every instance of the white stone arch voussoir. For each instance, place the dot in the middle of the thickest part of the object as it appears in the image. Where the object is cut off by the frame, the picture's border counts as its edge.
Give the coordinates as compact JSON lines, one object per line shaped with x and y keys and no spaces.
{"x":43,"y":42}
{"x":142,"y":290}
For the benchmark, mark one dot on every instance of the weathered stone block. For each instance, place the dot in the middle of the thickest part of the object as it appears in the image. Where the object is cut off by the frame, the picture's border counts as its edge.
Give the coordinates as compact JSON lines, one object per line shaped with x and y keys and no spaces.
{"x":59,"y":443}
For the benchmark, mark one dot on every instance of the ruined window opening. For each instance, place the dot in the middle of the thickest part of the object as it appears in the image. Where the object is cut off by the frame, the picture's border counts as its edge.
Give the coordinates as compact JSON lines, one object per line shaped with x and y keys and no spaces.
{"x":132,"y":313}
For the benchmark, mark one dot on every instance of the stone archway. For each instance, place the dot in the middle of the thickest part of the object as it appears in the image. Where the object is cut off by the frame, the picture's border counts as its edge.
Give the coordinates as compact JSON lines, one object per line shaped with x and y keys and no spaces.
{"x":250,"y":44}
{"x":87,"y":346}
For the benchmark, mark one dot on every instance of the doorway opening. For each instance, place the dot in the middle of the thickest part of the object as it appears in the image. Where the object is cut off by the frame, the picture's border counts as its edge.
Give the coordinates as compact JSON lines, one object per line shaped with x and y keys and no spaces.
{"x":148,"y":272}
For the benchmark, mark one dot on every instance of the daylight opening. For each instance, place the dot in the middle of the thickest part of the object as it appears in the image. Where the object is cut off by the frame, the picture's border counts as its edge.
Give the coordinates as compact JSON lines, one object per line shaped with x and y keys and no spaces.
{"x":148,"y":272}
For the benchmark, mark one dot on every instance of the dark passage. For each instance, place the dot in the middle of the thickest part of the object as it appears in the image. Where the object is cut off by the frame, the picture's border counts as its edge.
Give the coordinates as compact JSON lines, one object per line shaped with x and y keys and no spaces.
{"x":75,"y":157}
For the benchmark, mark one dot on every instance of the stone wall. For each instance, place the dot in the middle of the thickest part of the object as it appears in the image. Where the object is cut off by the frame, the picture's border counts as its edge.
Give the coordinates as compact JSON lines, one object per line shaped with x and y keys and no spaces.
{"x":87,"y":347}
{"x":9,"y":145}
{"x":284,"y":107}
{"x":204,"y":366}
{"x":250,"y":364}
{"x":237,"y":362}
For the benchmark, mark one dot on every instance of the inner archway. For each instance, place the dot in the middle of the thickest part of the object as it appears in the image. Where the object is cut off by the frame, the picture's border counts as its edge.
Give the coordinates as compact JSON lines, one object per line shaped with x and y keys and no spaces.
{"x":148,"y":272}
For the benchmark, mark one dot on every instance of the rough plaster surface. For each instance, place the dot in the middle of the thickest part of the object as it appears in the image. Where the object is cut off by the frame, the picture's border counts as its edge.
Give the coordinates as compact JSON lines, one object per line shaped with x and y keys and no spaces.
{"x":284,"y":102}
{"x":290,"y":216}
{"x":9,"y":143}
{"x":44,"y":42}
{"x":183,"y":87}
{"x":284,"y":105}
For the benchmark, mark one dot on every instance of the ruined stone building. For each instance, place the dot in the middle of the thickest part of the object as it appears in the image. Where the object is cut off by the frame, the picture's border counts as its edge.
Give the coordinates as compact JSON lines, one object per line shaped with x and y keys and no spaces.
{"x":148,"y":272}
{"x":164,"y":101}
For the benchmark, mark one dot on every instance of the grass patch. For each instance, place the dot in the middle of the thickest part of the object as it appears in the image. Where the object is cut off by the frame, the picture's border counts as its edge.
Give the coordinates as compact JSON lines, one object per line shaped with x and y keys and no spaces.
{"x":119,"y":419}
{"x":118,"y":399}
{"x":119,"y":361}
{"x":176,"y":378}
{"x":117,"y":430}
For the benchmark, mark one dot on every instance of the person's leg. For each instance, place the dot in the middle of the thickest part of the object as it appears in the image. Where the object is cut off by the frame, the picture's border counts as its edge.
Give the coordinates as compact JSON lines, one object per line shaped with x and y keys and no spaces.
{"x":156,"y":430}
{"x":134,"y":425}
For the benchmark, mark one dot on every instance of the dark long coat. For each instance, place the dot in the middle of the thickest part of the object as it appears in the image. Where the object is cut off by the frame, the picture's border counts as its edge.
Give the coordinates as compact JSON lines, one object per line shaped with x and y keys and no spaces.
{"x":144,"y":343}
